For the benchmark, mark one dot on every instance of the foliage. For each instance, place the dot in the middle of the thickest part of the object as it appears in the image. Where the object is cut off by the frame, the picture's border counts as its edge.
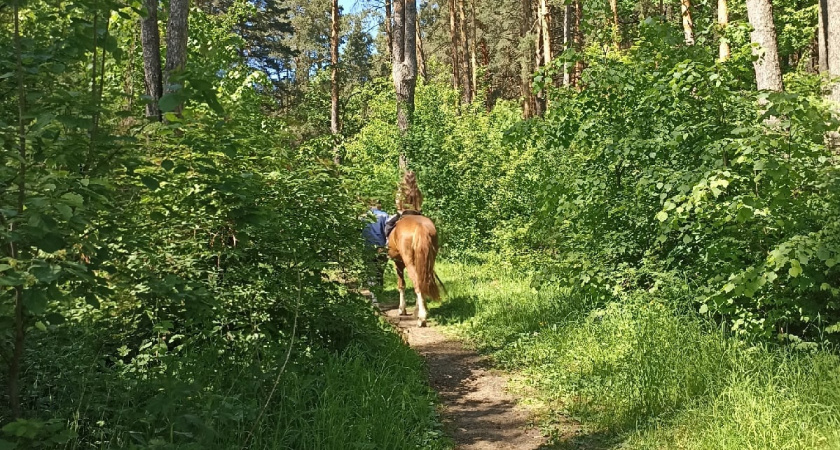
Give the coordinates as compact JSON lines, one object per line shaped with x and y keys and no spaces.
{"x":643,"y":371}
{"x":185,"y":284}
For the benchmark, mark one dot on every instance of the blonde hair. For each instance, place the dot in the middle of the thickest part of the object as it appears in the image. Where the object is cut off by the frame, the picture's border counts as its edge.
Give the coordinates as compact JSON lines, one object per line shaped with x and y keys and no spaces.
{"x":408,"y":194}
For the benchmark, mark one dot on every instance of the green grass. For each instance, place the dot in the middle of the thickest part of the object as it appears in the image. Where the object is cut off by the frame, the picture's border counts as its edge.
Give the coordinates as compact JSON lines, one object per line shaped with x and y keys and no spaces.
{"x":369,"y":394}
{"x":643,"y":371}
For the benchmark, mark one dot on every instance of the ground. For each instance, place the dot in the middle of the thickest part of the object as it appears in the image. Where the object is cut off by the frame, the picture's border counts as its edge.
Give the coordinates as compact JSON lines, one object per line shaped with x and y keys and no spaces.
{"x":479,"y":413}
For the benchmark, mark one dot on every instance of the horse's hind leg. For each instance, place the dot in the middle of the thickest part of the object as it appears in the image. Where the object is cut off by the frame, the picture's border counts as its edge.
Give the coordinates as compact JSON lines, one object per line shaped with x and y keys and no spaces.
{"x":401,"y":285}
{"x":420,"y":307}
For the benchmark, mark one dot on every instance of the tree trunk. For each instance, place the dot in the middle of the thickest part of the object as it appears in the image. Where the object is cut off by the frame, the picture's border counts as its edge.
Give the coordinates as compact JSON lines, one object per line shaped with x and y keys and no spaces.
{"x":723,"y":23}
{"x":545,"y":31}
{"x":832,"y":40}
{"x":466,"y":70}
{"x":687,"y":22}
{"x":176,"y":45}
{"x":334,"y":81}
{"x":768,"y":71}
{"x":578,"y":42}
{"x":525,"y":61}
{"x":150,"y":41}
{"x":473,"y":57}
{"x":421,"y":54}
{"x":567,"y":41}
{"x":456,"y":49}
{"x":388,"y":27}
{"x":822,"y":35}
{"x":405,"y":61}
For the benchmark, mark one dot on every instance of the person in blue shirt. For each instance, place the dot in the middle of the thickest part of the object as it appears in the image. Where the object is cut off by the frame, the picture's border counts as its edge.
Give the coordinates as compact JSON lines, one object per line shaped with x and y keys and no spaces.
{"x":376,"y":239}
{"x":374,"y":232}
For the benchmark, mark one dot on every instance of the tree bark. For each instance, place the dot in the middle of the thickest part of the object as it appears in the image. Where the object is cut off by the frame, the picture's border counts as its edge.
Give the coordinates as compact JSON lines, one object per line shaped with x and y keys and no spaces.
{"x":388,"y":27}
{"x":723,"y":23}
{"x":768,"y":71}
{"x":567,"y":41}
{"x":473,"y":58}
{"x":421,"y":54}
{"x":578,"y":42}
{"x":545,"y":32}
{"x":456,"y":49}
{"x":334,"y":81}
{"x":833,"y":45}
{"x":822,"y":35}
{"x":687,"y":21}
{"x":150,"y":41}
{"x":404,"y":71}
{"x":526,"y":61}
{"x":176,"y":45}
{"x":466,"y":69}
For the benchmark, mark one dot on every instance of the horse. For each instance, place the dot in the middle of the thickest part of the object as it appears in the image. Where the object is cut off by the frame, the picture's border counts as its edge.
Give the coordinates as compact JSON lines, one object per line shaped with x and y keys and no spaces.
{"x":413,"y":246}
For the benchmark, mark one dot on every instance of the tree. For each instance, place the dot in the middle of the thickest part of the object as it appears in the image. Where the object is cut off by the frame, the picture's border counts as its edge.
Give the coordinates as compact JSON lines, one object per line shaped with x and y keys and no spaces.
{"x":466,"y":63}
{"x":404,"y":70}
{"x":176,"y":45}
{"x":454,"y":49}
{"x":833,"y":45}
{"x":545,"y":31}
{"x":567,"y":41}
{"x":723,"y":23}
{"x":687,"y":21}
{"x":768,"y":72}
{"x":150,"y":41}
{"x":525,"y":59}
{"x":334,"y":80}
{"x":822,"y":35}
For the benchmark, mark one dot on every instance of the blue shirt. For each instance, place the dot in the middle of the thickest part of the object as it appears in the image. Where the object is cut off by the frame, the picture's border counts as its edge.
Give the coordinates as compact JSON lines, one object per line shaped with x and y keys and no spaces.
{"x":374,"y":233}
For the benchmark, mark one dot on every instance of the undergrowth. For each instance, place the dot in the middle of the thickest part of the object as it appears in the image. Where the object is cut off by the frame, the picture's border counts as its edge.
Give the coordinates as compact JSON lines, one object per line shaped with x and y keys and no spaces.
{"x":644,"y":371}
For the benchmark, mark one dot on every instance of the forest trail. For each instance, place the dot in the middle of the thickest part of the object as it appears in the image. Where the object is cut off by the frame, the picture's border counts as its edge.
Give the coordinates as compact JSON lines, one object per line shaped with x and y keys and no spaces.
{"x":479,"y":414}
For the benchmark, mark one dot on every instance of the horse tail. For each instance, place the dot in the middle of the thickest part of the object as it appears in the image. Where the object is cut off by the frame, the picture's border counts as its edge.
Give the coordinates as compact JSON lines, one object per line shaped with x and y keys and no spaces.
{"x":425,"y":252}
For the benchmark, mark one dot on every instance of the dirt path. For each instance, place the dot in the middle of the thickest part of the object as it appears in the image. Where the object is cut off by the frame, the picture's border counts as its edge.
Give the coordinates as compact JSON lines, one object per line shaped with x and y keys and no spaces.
{"x":479,"y":414}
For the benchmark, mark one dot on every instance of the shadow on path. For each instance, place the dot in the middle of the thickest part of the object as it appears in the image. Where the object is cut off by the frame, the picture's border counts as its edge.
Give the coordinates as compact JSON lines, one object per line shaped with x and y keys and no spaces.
{"x":479,"y":414}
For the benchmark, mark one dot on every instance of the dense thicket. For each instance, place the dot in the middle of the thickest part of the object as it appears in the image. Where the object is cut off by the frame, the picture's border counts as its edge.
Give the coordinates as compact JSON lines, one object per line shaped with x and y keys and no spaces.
{"x":182,"y":283}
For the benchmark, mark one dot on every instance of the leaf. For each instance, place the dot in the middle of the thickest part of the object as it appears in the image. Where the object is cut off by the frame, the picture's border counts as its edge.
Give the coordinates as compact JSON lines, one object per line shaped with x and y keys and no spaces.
{"x":64,"y":210}
{"x":704,"y":309}
{"x":40,"y":325}
{"x":6,"y":445}
{"x":45,"y":274}
{"x":73,"y":199}
{"x":662,"y":216}
{"x":51,"y":242}
{"x":150,"y":182}
{"x":167,"y":164}
{"x":795,"y":269}
{"x":35,"y":301}
{"x":169,"y":102}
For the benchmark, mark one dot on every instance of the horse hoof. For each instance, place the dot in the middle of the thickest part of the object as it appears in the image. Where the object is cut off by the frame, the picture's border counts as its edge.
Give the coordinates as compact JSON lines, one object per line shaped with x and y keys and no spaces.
{"x":402,"y":312}
{"x":421,"y":324}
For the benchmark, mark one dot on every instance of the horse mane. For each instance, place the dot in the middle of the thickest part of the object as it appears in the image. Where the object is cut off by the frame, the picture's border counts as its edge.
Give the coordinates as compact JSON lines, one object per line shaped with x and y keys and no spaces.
{"x":408,"y":195}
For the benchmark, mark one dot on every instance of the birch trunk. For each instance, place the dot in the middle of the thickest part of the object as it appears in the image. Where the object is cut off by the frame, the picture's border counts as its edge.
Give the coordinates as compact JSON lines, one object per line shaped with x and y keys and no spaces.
{"x":545,"y":31}
{"x":768,"y":71}
{"x":687,"y":22}
{"x":723,"y":22}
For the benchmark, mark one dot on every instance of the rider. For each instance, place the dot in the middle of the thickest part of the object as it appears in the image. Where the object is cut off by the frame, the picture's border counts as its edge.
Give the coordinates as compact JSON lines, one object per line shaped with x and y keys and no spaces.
{"x":408,"y":201}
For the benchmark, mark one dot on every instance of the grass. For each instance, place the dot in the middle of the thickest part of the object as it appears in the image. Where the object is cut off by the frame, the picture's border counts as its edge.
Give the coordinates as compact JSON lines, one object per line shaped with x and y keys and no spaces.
{"x":370,"y":394}
{"x":643,"y":371}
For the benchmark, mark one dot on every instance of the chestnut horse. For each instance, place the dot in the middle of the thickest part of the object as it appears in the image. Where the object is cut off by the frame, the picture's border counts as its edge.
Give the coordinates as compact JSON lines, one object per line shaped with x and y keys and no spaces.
{"x":413,"y":245}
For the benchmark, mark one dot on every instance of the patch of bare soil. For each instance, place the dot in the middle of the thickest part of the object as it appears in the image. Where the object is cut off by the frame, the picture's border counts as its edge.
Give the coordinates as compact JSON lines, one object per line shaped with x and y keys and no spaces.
{"x":479,"y":413}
